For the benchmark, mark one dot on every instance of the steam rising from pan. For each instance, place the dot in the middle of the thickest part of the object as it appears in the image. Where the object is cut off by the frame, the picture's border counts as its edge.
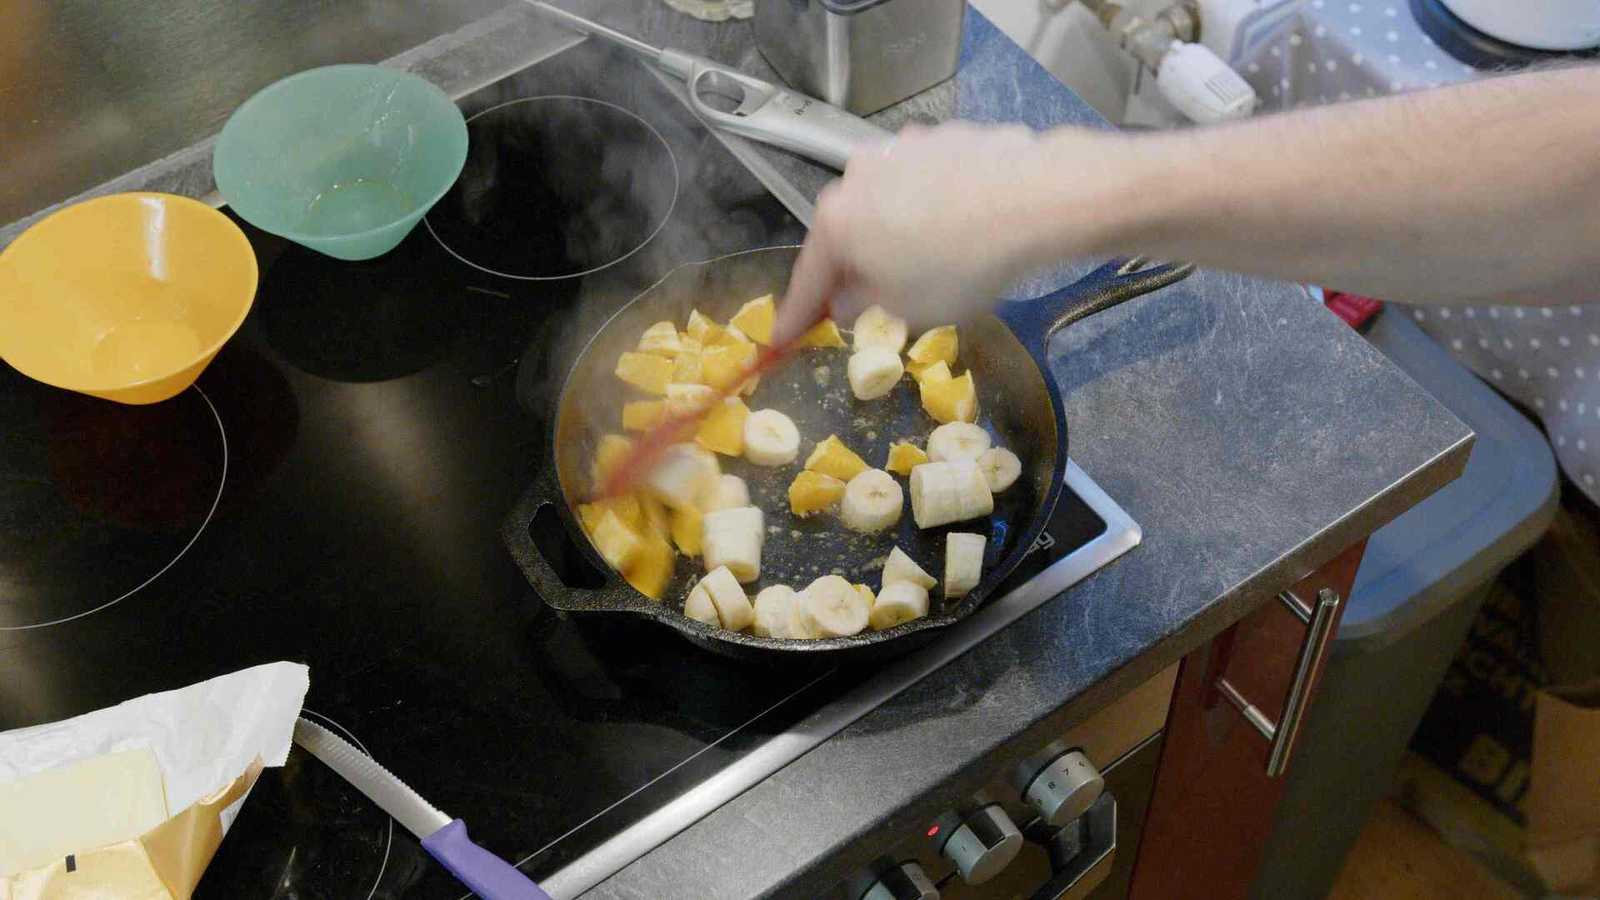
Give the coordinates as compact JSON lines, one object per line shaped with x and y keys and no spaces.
{"x":556,"y":187}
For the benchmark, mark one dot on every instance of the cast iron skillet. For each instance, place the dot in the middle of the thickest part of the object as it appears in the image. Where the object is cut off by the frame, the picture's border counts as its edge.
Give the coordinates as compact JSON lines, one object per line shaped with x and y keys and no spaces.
{"x":1019,"y":404}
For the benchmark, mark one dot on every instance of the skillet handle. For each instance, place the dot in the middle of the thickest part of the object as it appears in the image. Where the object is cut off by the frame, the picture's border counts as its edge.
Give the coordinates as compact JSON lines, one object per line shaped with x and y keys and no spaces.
{"x":1036,"y":321}
{"x":517,"y":532}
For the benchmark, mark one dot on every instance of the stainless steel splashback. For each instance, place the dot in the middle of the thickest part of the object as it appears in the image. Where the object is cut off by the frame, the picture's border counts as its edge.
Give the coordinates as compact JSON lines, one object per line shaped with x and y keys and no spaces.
{"x":90,"y":89}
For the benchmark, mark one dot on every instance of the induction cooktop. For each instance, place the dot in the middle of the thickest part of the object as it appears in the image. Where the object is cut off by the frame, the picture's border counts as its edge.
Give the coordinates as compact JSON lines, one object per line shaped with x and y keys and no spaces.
{"x":331,"y":492}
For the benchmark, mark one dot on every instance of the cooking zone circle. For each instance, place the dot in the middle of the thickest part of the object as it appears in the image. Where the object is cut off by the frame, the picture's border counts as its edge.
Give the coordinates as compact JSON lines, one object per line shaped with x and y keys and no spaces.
{"x":98,"y":499}
{"x":556,"y":187}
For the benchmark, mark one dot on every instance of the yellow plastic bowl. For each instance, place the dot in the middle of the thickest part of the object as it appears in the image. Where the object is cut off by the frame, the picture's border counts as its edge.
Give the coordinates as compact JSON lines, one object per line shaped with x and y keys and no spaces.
{"x":126,"y":297}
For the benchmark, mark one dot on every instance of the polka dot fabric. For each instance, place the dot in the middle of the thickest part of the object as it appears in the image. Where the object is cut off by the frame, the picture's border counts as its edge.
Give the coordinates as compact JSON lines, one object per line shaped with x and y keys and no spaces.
{"x":1546,"y":358}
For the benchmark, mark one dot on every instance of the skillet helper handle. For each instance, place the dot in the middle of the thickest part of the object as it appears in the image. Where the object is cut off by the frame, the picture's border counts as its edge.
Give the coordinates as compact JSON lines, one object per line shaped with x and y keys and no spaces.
{"x":775,"y":115}
{"x":517,"y":533}
{"x":489,"y":876}
{"x":1036,"y":321}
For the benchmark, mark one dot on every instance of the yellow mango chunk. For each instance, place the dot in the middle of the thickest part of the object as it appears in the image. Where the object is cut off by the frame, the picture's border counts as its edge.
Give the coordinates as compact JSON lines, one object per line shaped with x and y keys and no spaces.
{"x":813,"y":492}
{"x":722,"y":365}
{"x":823,"y":334}
{"x":954,"y":400}
{"x":684,"y":399}
{"x":652,"y":565}
{"x":936,"y":345}
{"x":699,"y":325}
{"x":618,"y":544}
{"x":626,"y":508}
{"x":661,"y":339}
{"x":722,"y":430}
{"x":832,"y":457}
{"x":686,"y":367}
{"x":755,"y":319}
{"x":654,"y":516}
{"x":904,"y":457}
{"x":642,"y":415}
{"x":938,"y":370}
{"x":645,"y":371}
{"x":727,"y":337}
{"x":686,"y":528}
{"x":610,"y":453}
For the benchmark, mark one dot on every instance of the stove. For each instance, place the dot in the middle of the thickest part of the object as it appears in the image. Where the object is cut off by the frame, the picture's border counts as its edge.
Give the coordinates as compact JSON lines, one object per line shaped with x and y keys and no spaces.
{"x":331,"y":491}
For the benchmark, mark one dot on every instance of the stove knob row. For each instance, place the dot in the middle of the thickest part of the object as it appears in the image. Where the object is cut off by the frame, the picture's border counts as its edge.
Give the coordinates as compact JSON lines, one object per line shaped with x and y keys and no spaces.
{"x":906,"y":881}
{"x":1064,"y":789}
{"x":984,"y":844}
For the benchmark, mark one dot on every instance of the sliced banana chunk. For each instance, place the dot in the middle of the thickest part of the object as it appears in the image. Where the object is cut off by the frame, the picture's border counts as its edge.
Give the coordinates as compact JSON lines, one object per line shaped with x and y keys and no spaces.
{"x":775,"y":612}
{"x":945,"y":492}
{"x":1000,"y":468}
{"x":698,"y":606}
{"x":733,"y":606}
{"x":873,"y":372}
{"x":878,"y":328}
{"x":684,"y":471}
{"x":732,"y":539}
{"x":724,"y":492}
{"x":896,"y":603}
{"x":957,"y":441}
{"x":901,"y":567}
{"x":832,"y":607}
{"x":872,"y":502}
{"x":963,"y":563}
{"x":770,"y":438}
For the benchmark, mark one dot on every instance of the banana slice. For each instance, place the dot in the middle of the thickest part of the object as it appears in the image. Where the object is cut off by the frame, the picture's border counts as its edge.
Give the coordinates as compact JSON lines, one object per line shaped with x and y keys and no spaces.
{"x":956,"y":441}
{"x":770,"y":438}
{"x":873,"y":372}
{"x":832,"y":607}
{"x":896,"y":603}
{"x":683,"y":399}
{"x":945,"y":492}
{"x":698,"y":606}
{"x":872,"y":501}
{"x":902,"y":567}
{"x":963,"y":563}
{"x":684,"y":471}
{"x":877,"y":328}
{"x":775,"y":612}
{"x":1000,"y":468}
{"x":733,"y":607}
{"x":723,"y":492}
{"x":732,"y":539}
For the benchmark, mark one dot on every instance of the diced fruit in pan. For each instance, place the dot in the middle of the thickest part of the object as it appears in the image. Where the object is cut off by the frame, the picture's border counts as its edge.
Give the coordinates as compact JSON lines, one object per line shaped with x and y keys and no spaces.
{"x":608,"y":454}
{"x":935,"y":345}
{"x":770,"y":438}
{"x":823,"y":334}
{"x":645,"y":371}
{"x":776,"y":612}
{"x":698,"y":606}
{"x":878,"y":328}
{"x":661,"y":339}
{"x":683,"y":473}
{"x":955,"y":400}
{"x":733,"y":605}
{"x":651,"y":570}
{"x":750,"y":385}
{"x":755,"y":319}
{"x":731,"y":539}
{"x":899,"y":602}
{"x":722,"y":366}
{"x":866,"y":591}
{"x":926,"y":372}
{"x":873,"y":372}
{"x":813,"y":492}
{"x":945,"y":492}
{"x":872,"y":502}
{"x":722,"y":430}
{"x":723,"y":492}
{"x":1000,"y":467}
{"x":832,"y":607}
{"x":618,"y":544}
{"x":686,"y":367}
{"x":963,"y":563}
{"x":655,"y":515}
{"x":627,"y":509}
{"x":683,"y":399}
{"x":699,"y":325}
{"x":832,"y":457}
{"x":901,"y":567}
{"x":686,"y":528}
{"x":957,"y":440}
{"x":719,"y":336}
{"x":643,"y":415}
{"x":903,"y":457}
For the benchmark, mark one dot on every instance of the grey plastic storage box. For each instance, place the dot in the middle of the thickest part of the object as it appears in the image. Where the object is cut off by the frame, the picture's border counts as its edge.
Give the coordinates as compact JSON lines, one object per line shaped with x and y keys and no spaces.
{"x":1419,"y":587}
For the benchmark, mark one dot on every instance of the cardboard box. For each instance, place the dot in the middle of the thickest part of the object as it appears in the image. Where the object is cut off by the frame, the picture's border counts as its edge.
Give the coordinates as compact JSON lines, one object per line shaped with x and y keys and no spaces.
{"x":1564,"y":794}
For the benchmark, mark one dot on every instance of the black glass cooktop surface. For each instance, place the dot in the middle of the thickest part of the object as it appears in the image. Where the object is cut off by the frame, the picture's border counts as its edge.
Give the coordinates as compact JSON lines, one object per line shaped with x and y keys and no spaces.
{"x":331,"y":492}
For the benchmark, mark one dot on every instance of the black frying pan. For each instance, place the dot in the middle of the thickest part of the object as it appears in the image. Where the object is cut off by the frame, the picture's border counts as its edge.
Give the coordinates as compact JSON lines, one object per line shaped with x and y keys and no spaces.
{"x":1018,"y":403}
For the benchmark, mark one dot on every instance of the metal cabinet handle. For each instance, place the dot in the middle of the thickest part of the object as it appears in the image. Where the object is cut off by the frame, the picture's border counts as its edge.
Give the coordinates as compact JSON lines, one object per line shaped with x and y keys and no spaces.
{"x":1319,"y":634}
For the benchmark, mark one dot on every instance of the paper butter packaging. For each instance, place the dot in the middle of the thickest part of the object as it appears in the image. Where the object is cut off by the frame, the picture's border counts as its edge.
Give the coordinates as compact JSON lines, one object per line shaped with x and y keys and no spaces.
{"x":84,"y":820}
{"x":1564,"y":791}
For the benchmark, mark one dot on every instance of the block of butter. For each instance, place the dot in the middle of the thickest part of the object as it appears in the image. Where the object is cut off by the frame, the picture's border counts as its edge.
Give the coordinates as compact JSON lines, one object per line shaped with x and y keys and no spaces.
{"x":78,"y":807}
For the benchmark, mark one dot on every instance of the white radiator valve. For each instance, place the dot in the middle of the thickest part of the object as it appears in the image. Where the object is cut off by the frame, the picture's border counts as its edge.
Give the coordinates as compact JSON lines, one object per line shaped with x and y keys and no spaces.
{"x":1201,"y":86}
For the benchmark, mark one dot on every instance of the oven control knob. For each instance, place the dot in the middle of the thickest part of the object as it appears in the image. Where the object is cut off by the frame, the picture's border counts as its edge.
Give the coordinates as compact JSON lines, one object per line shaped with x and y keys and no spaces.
{"x":983,"y":845}
{"x":1064,"y":789}
{"x":906,"y":881}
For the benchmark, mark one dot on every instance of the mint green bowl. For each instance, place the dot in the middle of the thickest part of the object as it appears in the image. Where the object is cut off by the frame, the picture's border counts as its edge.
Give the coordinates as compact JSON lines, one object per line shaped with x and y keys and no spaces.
{"x":343,"y":159}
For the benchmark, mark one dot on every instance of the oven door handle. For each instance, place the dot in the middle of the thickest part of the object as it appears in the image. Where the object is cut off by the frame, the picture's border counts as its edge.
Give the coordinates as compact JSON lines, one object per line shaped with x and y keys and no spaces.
{"x":1082,"y":852}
